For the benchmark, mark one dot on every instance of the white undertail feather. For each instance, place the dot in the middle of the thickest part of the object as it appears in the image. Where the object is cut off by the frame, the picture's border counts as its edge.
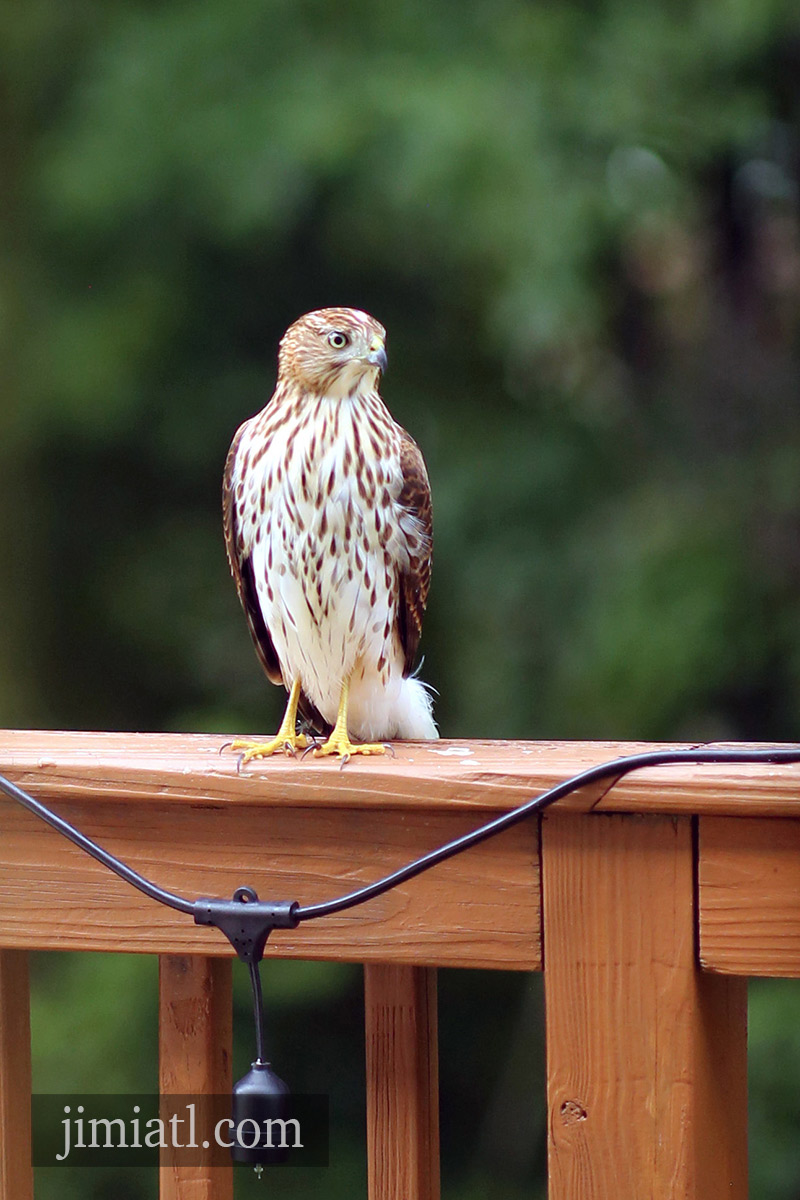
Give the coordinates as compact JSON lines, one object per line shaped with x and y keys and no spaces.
{"x":403,"y":710}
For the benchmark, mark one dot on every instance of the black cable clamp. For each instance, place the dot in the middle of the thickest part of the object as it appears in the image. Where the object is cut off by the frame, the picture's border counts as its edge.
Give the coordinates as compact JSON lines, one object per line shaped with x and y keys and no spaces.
{"x":247,"y":921}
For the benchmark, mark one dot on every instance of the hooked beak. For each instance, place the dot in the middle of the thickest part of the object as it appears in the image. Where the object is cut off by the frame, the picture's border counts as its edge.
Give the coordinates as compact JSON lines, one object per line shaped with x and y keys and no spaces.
{"x":377,"y":357}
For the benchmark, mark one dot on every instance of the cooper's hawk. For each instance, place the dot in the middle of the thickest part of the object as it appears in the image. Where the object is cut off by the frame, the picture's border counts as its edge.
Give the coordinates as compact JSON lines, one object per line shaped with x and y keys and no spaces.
{"x":328,"y":528}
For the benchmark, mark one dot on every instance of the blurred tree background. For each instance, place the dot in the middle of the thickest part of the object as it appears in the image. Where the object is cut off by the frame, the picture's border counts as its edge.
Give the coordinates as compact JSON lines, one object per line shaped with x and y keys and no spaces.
{"x":579,"y":223}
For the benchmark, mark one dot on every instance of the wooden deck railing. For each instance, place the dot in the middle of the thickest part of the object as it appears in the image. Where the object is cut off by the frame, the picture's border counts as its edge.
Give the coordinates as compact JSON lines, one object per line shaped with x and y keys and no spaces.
{"x":646,"y":913}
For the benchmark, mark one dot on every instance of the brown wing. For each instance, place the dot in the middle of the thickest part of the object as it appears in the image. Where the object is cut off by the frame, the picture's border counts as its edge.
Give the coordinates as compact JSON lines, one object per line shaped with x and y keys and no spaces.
{"x":414,"y":583}
{"x":242,"y":571}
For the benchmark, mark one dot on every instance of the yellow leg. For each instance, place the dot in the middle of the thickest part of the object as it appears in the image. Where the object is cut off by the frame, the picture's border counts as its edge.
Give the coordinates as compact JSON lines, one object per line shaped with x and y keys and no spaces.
{"x":339,"y":742}
{"x":287,"y":738}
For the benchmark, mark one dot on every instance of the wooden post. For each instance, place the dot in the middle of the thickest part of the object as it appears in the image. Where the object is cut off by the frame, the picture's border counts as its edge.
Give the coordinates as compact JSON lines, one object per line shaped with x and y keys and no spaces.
{"x":647,"y":1069}
{"x":195,"y":1031}
{"x":402,"y":1083}
{"x":16,"y":1172}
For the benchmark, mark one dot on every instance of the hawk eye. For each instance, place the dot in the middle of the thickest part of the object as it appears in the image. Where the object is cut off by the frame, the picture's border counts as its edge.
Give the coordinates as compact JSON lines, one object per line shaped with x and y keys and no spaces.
{"x":338,"y":340}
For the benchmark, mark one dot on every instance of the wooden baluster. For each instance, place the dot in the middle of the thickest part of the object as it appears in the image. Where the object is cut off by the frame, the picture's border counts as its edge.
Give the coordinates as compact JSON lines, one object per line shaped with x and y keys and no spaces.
{"x":402,"y":1083}
{"x":195,"y":1031}
{"x":16,"y":1173}
{"x":646,"y":1054}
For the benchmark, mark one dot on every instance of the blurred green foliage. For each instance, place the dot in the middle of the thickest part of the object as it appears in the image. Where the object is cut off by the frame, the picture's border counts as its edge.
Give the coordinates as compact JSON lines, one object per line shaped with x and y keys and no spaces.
{"x":579,"y":223}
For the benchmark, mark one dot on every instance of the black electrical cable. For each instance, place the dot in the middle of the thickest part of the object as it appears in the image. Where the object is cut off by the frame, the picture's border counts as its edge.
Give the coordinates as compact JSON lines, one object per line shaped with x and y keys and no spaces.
{"x":615,"y":767}
{"x":294,"y":913}
{"x":258,"y":1009}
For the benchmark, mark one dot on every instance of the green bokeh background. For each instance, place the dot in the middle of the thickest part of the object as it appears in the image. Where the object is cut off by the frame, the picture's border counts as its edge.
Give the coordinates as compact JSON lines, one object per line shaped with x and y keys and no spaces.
{"x":579,"y":223}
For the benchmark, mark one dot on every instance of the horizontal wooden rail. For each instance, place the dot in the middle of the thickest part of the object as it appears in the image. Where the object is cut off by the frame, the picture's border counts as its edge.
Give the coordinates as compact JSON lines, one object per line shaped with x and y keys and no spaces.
{"x":450,"y":776}
{"x":177,"y":809}
{"x":749,"y":896}
{"x":479,"y":909}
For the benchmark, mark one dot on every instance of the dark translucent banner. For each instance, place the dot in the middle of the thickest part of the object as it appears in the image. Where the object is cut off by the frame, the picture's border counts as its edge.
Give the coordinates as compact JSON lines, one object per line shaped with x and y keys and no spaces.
{"x":147,"y":1130}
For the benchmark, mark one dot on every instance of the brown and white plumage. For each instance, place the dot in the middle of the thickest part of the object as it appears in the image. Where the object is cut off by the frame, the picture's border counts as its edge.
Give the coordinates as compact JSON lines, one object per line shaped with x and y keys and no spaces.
{"x":328,"y":530}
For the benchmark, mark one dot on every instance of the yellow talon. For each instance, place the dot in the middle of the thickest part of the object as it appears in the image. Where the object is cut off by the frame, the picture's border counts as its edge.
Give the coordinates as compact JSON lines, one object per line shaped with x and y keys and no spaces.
{"x":345,"y":748}
{"x":287,"y":739}
{"x":339,"y":741}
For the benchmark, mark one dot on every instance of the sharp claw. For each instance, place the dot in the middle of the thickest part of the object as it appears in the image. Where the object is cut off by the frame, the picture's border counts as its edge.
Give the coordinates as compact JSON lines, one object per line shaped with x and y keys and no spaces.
{"x":225,"y":746}
{"x":312,"y":743}
{"x":388,"y":746}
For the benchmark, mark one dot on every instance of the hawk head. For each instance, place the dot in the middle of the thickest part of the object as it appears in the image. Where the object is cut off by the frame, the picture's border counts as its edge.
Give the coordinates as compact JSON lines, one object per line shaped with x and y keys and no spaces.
{"x":333,"y":352}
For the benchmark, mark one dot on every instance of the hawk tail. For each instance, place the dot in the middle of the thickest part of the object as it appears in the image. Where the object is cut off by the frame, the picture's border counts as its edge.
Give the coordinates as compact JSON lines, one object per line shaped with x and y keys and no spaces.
{"x":415,"y":712}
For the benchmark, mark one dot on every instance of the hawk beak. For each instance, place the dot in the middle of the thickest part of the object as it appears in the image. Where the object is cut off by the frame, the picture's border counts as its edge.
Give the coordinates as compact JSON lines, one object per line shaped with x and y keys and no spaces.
{"x":377,"y":357}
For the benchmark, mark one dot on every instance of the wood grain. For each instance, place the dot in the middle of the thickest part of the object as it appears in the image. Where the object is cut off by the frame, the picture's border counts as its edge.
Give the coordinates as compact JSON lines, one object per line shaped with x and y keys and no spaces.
{"x":402,"y":1083}
{"x":478,"y":909}
{"x":16,"y":1173}
{"x":646,"y":1055}
{"x":749,"y":896}
{"x":144,"y":769}
{"x":195,"y":1033}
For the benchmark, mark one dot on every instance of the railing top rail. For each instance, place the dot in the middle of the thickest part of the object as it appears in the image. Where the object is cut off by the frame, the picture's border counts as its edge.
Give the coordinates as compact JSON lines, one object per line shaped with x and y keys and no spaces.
{"x":453,"y":775}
